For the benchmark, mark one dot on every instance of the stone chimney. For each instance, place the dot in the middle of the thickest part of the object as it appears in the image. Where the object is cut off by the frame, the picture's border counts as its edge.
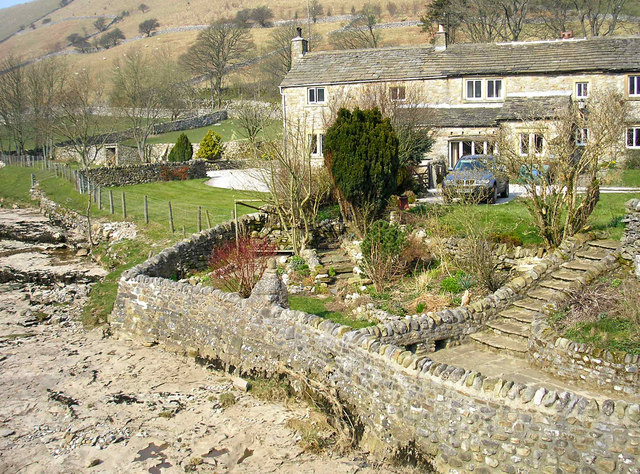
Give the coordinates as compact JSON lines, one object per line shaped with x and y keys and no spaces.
{"x":299,"y":47}
{"x":565,"y":35}
{"x":441,"y":39}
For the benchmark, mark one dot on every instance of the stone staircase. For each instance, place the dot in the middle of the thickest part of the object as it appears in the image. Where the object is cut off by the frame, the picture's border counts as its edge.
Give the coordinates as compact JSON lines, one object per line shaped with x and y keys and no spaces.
{"x":510,"y":330}
{"x":337,"y":259}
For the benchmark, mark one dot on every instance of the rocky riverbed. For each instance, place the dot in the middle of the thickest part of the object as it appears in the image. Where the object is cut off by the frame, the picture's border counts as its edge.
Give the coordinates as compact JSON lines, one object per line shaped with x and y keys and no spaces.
{"x":76,"y":400}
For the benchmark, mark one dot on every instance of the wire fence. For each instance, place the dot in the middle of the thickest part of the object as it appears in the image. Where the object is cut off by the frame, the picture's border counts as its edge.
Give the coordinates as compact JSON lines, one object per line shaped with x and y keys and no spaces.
{"x":129,"y":205}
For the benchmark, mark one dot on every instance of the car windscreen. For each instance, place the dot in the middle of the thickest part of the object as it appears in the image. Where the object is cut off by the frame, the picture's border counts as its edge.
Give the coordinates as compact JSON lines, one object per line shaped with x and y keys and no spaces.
{"x":469,"y":165}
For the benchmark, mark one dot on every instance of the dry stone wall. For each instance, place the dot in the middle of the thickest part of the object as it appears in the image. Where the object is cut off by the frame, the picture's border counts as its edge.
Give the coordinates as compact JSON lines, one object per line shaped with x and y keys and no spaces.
{"x":142,"y":173}
{"x":613,"y":370}
{"x":462,"y":419}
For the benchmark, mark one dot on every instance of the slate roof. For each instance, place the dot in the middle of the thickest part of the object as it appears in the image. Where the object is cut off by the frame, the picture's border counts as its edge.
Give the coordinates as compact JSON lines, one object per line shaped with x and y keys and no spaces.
{"x":514,"y":108}
{"x":422,"y":62}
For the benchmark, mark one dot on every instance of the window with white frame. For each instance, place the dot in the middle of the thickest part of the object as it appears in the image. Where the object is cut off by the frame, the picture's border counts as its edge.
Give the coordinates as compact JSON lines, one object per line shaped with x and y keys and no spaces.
{"x":633,"y":137}
{"x":494,"y":88}
{"x":484,"y":89}
{"x":634,"y":86}
{"x":315,"y":95}
{"x":582,"y":136}
{"x":474,"y":89}
{"x":316,"y":144}
{"x":397,"y":93}
{"x":460,"y":148}
{"x":582,"y":90}
{"x":531,"y":143}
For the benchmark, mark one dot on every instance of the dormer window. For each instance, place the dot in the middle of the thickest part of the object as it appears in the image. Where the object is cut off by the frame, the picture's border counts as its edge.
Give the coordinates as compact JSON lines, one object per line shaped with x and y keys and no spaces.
{"x":634,"y":86}
{"x":397,"y":93}
{"x":484,"y":89}
{"x":582,"y":90}
{"x":315,"y":95}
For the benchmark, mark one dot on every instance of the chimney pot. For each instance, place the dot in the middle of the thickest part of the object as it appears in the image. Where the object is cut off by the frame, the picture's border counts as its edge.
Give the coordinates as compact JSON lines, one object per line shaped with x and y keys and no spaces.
{"x":567,"y":34}
{"x":299,"y":30}
{"x":440,"y":42}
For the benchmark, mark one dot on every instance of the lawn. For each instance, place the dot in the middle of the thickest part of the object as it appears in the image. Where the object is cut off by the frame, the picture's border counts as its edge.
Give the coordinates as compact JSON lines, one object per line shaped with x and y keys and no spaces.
{"x":229,"y":130}
{"x":514,"y":217}
{"x":186,"y":196}
{"x":317,"y":306}
{"x":628,"y":178}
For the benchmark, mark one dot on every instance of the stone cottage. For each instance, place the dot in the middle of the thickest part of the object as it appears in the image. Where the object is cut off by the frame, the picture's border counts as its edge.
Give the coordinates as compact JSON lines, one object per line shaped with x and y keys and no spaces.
{"x":466,"y":91}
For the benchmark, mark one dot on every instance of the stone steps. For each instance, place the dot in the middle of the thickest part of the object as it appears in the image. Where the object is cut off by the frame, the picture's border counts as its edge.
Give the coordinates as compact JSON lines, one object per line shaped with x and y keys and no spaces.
{"x":518,"y":314}
{"x":593,"y":253}
{"x":608,"y":244}
{"x":501,"y":342}
{"x":510,"y":330}
{"x":510,"y":326}
{"x":531,"y":304}
{"x":579,"y":264}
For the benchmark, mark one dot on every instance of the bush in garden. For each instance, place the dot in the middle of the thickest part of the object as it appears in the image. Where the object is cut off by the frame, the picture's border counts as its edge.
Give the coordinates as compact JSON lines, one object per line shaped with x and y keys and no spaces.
{"x":238,"y":266}
{"x":182,"y":150}
{"x":361,"y":154}
{"x":382,"y":250}
{"x":211,"y":147}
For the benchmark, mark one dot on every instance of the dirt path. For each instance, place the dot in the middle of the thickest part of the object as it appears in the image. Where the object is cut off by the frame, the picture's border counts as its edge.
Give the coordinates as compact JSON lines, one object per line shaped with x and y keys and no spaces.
{"x":73,"y":398}
{"x":80,"y":401}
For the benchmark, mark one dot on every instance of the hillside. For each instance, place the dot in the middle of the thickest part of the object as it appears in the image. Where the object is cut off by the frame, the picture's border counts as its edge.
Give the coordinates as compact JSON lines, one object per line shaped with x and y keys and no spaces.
{"x":48,"y":25}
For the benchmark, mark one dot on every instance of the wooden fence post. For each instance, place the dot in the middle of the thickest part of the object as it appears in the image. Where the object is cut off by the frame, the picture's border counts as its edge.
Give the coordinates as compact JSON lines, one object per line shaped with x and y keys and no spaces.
{"x":124,"y":206}
{"x":208,"y":219}
{"x":199,"y":218}
{"x":99,"y":197}
{"x":171,"y":219}
{"x":146,"y":210}
{"x":111,"y":201}
{"x":33,"y":180}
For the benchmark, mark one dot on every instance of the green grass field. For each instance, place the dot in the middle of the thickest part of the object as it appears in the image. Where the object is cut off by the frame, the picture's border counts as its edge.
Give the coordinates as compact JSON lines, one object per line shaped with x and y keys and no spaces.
{"x":229,"y":130}
{"x":513,"y":217}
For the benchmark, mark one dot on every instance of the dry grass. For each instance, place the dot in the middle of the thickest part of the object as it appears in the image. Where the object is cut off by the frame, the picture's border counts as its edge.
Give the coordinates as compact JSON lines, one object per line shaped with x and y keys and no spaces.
{"x":13,"y":17}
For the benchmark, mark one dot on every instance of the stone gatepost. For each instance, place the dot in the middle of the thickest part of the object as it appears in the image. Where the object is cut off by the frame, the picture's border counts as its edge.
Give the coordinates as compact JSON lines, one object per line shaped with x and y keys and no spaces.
{"x":270,"y":289}
{"x":631,"y":237}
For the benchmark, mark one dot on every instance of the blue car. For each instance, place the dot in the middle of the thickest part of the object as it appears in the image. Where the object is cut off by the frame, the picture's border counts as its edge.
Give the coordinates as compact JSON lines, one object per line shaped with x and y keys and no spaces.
{"x":476,"y":177}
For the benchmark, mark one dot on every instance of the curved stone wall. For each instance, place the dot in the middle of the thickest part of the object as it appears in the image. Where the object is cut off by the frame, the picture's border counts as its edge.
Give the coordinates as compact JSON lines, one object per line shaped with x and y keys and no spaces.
{"x":462,"y":419}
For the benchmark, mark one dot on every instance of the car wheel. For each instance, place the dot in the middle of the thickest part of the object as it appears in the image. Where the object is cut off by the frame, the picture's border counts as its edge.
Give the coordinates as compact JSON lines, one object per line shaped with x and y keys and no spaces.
{"x":505,"y":193}
{"x":493,"y":197}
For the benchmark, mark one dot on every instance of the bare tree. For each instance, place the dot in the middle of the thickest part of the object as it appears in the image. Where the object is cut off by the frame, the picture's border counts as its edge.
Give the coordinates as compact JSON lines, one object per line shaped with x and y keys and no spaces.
{"x":555,"y":15}
{"x":219,"y":47}
{"x":253,"y":118}
{"x":45,"y":82}
{"x":14,"y":100}
{"x":315,"y":10}
{"x":595,"y":14}
{"x":297,"y":188}
{"x":360,"y":32}
{"x":277,"y":65}
{"x":555,"y":155}
{"x":140,"y":90}
{"x":76,"y":122}
{"x":515,"y":13}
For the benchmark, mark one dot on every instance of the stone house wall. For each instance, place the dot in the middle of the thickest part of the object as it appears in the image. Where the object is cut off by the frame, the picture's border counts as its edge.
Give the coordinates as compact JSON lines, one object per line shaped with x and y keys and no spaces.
{"x":462,"y":419}
{"x":443,"y":92}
